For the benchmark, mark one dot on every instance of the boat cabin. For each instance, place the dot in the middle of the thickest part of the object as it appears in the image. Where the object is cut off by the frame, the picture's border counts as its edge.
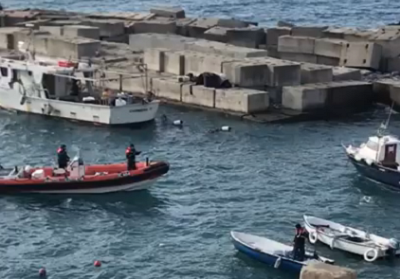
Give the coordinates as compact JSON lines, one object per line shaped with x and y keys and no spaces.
{"x":60,"y":80}
{"x":382,"y":150}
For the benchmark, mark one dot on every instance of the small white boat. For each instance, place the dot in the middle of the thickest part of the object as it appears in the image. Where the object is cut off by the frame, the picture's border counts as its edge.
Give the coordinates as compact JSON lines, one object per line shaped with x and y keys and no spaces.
{"x":351,"y":240}
{"x":273,"y":253}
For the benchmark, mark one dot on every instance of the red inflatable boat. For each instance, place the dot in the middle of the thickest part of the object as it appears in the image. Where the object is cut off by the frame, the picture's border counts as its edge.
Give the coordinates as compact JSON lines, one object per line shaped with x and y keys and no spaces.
{"x":80,"y":179}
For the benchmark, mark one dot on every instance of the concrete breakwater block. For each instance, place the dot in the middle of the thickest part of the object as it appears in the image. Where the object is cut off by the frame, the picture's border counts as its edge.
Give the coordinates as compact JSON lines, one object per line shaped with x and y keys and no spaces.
{"x":292,"y":44}
{"x":314,"y":73}
{"x":168,"y":41}
{"x":197,"y":28}
{"x":90,"y":32}
{"x":389,"y":41}
{"x":347,"y":34}
{"x":330,"y":47}
{"x":274,"y":33}
{"x":299,"y":57}
{"x":251,"y":37}
{"x":7,"y":36}
{"x":198,"y":95}
{"x":216,"y":48}
{"x":361,"y":55}
{"x":154,"y":59}
{"x":75,"y":48}
{"x":168,"y":88}
{"x":384,"y":92}
{"x":326,"y":271}
{"x":343,"y":73}
{"x":171,"y":12}
{"x":198,"y":63}
{"x":247,"y":73}
{"x":217,"y":33}
{"x":159,"y":25}
{"x":280,"y":72}
{"x":241,"y":100}
{"x":332,"y":95}
{"x":329,"y":61}
{"x":107,"y":27}
{"x":308,"y":31}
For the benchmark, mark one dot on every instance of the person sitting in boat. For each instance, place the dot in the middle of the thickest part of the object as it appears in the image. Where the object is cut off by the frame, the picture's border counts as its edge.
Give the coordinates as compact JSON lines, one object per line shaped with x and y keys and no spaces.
{"x":299,"y":243}
{"x":130,"y":154}
{"x":62,"y":156}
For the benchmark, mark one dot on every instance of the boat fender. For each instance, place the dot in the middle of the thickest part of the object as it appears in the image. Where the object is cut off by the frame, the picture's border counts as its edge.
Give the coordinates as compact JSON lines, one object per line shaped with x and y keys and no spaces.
{"x":278,"y":262}
{"x":374,"y":255}
{"x":226,"y":129}
{"x":177,"y":123}
{"x":357,"y":157}
{"x":312,"y":236}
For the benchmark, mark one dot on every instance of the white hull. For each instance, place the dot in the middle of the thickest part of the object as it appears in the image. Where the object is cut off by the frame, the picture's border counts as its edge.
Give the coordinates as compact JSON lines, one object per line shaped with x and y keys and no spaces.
{"x":98,"y":114}
{"x":344,"y":238}
{"x":123,"y":188}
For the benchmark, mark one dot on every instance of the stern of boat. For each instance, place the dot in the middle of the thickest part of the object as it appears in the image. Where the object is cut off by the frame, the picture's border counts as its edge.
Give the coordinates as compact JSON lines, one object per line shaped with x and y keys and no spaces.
{"x":134,"y":114}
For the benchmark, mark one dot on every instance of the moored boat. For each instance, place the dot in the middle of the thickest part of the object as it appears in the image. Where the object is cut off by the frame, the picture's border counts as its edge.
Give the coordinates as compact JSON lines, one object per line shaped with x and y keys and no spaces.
{"x":80,"y":179}
{"x":377,"y":159}
{"x":272,"y":253}
{"x":351,"y":240}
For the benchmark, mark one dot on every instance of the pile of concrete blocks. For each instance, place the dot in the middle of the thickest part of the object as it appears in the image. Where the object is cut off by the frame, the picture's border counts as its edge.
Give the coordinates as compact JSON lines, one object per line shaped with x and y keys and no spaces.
{"x":72,"y":31}
{"x":333,"y":52}
{"x":320,"y":270}
{"x":335,"y":95}
{"x":239,"y":100}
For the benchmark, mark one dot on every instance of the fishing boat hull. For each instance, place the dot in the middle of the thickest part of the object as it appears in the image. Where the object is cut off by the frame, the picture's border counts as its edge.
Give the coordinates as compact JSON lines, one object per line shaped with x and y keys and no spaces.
{"x":384,"y":175}
{"x":278,"y":258}
{"x":347,"y":239}
{"x":116,"y":181}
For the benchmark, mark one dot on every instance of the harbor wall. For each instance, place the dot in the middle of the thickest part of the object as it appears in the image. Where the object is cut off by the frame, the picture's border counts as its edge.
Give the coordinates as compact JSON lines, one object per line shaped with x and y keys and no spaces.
{"x":299,"y":69}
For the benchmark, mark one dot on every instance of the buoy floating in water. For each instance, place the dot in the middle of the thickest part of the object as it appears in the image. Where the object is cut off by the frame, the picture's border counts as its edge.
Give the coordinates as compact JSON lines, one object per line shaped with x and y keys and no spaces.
{"x":97,"y":263}
{"x":177,"y":122}
{"x":42,"y":273}
{"x":226,"y":128}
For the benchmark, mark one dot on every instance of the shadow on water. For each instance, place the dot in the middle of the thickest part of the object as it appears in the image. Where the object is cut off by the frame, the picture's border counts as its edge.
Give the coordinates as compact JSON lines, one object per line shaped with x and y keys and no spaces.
{"x":375,"y":189}
{"x":119,"y":203}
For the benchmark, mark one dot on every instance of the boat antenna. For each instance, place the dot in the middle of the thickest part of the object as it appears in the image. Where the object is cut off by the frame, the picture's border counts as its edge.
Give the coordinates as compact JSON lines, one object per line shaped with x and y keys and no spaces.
{"x":383,"y":127}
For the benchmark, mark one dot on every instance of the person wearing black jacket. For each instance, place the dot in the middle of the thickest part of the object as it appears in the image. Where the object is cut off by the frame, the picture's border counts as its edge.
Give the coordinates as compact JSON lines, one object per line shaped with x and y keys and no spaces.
{"x":299,"y":243}
{"x":62,"y":157}
{"x":130,"y":154}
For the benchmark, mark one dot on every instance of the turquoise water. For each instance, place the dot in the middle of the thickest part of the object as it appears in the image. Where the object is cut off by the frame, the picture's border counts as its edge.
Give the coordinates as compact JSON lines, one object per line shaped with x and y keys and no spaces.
{"x":258,"y":178}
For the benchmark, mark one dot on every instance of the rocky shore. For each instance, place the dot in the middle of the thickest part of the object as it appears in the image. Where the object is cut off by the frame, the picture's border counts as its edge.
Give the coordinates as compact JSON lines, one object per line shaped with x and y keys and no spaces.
{"x":282,"y":73}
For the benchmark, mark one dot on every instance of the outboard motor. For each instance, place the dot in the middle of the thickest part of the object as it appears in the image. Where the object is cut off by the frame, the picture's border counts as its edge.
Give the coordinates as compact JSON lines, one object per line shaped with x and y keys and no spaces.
{"x":393,"y":246}
{"x":77,"y":168}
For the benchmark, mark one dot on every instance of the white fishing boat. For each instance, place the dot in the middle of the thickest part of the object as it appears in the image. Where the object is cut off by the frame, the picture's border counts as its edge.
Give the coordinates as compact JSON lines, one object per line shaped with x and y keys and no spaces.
{"x":70,"y":90}
{"x":351,"y":240}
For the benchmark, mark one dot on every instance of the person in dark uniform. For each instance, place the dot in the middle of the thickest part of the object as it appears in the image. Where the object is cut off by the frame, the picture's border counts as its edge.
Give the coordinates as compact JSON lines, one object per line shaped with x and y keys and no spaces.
{"x":62,"y":157}
{"x":130,"y":154}
{"x":299,"y":243}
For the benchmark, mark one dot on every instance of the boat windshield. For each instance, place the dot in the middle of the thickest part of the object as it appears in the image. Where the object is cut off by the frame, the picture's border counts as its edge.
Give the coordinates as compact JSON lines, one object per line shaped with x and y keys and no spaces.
{"x":372,"y":145}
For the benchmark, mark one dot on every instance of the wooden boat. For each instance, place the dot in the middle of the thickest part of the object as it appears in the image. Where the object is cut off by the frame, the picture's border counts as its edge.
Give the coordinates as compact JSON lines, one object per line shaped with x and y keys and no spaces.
{"x":80,"y":179}
{"x":351,"y":240}
{"x":271,"y":252}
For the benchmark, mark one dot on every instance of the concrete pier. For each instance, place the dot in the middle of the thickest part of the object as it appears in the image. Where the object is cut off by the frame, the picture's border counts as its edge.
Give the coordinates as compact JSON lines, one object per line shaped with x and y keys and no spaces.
{"x":295,"y":68}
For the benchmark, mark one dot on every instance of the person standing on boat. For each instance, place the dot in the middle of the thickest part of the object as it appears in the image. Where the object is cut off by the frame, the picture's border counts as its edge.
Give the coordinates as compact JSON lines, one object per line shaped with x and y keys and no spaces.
{"x":62,"y":157}
{"x":299,"y":243}
{"x":130,"y":154}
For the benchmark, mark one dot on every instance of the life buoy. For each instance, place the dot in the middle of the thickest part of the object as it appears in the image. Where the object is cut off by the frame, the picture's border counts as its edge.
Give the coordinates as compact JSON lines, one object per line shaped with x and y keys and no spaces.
{"x":278,"y":262}
{"x":312,"y":236}
{"x":373,"y":258}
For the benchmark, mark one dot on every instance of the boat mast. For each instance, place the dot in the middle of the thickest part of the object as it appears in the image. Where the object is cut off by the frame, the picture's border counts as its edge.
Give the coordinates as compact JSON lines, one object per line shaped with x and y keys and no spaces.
{"x":384,"y":126}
